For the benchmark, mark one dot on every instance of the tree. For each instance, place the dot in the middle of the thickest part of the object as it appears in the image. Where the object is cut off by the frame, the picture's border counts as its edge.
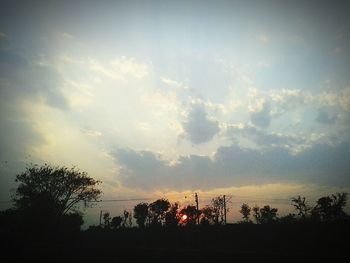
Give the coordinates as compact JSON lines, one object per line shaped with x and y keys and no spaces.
{"x":47,"y":198}
{"x":301,"y":206}
{"x":288,"y":219}
{"x":54,"y":190}
{"x":158,"y":210}
{"x":192,"y":214}
{"x":127,"y":219}
{"x":268,"y":214}
{"x":116,"y":222}
{"x":208,"y":215}
{"x":219,"y":210}
{"x":172,"y":216}
{"x":256,"y":213}
{"x":245,"y":211}
{"x":107,"y":219}
{"x":141,"y":214}
{"x":265,"y":215}
{"x":330,"y":207}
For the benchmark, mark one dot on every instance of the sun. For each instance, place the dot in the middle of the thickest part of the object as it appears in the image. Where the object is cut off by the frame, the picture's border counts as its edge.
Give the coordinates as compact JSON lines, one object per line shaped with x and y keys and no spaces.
{"x":184,"y":217}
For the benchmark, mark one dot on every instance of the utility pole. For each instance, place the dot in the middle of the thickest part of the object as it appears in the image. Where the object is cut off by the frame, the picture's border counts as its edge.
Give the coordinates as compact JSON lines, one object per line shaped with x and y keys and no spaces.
{"x":196,"y":199}
{"x":225,"y":209}
{"x":100,"y":217}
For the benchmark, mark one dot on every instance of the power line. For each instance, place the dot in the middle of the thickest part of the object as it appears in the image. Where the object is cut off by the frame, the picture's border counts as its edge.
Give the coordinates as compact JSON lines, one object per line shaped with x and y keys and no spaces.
{"x":121,"y":200}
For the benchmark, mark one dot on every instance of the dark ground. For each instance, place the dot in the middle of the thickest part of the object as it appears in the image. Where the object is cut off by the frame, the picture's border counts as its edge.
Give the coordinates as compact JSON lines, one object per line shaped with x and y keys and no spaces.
{"x":300,"y":242}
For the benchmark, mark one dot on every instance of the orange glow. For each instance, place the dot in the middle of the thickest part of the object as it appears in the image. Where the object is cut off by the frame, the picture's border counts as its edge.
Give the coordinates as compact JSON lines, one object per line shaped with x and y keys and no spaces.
{"x":184,"y":217}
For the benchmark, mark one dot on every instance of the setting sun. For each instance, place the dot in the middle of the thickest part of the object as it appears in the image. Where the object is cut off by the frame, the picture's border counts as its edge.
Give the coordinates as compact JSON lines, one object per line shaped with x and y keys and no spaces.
{"x":184,"y":217}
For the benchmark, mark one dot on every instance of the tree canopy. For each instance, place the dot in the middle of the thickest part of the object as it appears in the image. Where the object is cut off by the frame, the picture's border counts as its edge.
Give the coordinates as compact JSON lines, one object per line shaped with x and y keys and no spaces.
{"x":54,"y":190}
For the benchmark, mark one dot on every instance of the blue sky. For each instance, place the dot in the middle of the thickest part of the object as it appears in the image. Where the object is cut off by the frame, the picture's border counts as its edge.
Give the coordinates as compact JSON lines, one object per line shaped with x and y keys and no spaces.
{"x":164,"y":98}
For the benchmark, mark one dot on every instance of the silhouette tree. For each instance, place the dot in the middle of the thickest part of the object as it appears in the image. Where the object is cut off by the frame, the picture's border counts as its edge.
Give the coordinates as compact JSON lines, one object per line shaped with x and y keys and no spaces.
{"x":127,"y":219}
{"x":141,"y":214}
{"x":172,"y":216}
{"x":245,"y":211}
{"x":330,"y":207}
{"x":301,"y":206}
{"x":48,"y":197}
{"x":218,"y":209}
{"x":158,"y":210}
{"x":265,"y":215}
{"x":268,"y":214}
{"x":54,"y":190}
{"x":207,"y":215}
{"x":107,"y":219}
{"x":192,"y":214}
{"x":256,"y":213}
{"x":288,"y":219}
{"x":116,"y":222}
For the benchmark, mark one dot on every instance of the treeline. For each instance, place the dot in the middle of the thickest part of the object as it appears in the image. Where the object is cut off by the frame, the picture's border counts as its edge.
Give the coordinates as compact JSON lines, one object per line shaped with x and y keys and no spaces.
{"x":327,"y":208}
{"x":49,"y":199}
{"x":162,"y":213}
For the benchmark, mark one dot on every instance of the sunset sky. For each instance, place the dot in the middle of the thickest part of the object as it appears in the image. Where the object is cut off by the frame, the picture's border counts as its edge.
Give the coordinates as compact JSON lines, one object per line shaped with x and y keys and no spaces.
{"x":167,"y":98}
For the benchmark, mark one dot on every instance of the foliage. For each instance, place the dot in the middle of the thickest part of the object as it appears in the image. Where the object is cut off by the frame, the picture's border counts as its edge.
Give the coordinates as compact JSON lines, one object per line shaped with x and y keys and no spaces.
{"x":192,"y":214}
{"x":288,"y":219}
{"x":54,"y":190}
{"x":207,"y":216}
{"x":245,"y":211}
{"x":172,"y":216}
{"x":127,"y":219}
{"x":158,"y":210}
{"x":301,"y":206}
{"x":107,"y":219}
{"x":265,"y":215}
{"x":141,"y":214}
{"x":330,"y":207}
{"x":116,"y":222}
{"x":218,"y":210}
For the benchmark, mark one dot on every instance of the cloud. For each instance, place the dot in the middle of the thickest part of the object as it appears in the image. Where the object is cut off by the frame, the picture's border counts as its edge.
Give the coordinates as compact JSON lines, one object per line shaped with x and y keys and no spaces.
{"x":288,"y":99}
{"x":23,"y":82}
{"x":261,"y":116}
{"x":22,"y":78}
{"x":198,"y":127}
{"x":321,"y":164}
{"x":263,"y":138}
{"x":120,"y":68}
{"x":326,"y":118}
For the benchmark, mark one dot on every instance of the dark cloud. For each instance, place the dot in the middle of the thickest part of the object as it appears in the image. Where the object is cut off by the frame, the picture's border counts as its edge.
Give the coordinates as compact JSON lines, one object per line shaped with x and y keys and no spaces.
{"x":321,"y":164}
{"x":261,"y":118}
{"x":326,"y":118}
{"x":20,"y":78}
{"x":198,"y":127}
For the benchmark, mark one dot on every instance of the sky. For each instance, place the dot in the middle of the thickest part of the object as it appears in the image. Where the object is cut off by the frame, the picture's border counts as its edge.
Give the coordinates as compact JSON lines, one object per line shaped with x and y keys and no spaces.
{"x":167,"y":98}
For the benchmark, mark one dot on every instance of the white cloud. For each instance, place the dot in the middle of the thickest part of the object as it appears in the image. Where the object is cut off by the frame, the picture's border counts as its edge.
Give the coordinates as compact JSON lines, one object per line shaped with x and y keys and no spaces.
{"x":129,"y":66}
{"x":121,"y":68}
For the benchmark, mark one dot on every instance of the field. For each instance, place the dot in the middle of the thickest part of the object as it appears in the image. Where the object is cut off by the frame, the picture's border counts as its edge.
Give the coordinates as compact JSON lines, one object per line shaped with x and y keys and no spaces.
{"x":231,"y":243}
